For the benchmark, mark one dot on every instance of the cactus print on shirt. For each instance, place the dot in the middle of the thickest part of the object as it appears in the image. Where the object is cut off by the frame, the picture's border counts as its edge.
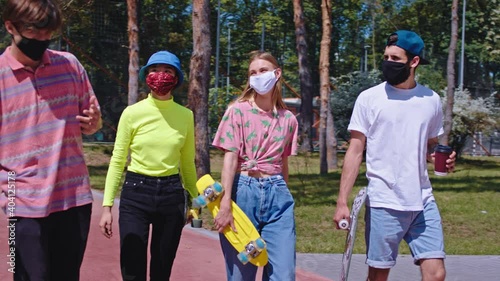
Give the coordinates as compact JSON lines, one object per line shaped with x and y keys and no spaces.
{"x":260,"y":139}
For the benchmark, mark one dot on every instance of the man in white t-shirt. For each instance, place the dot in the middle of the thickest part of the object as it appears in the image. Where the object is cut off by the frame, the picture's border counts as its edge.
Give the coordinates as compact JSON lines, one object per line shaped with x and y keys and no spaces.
{"x":400,"y":121}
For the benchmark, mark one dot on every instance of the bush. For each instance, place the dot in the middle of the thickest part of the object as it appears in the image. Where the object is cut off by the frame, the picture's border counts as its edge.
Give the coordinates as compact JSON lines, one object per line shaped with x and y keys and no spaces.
{"x":471,"y":116}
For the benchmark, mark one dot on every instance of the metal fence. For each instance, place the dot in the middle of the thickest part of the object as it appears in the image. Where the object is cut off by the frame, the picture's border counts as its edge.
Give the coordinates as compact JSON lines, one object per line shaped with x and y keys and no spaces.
{"x":483,"y":145}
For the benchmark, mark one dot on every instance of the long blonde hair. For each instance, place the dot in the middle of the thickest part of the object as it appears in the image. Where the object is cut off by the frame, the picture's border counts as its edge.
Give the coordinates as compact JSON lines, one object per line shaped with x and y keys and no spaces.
{"x":276,"y":96}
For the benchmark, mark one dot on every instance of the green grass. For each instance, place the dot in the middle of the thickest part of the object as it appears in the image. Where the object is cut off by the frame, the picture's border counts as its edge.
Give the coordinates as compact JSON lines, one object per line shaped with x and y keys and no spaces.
{"x":469,"y":201}
{"x":97,"y":158}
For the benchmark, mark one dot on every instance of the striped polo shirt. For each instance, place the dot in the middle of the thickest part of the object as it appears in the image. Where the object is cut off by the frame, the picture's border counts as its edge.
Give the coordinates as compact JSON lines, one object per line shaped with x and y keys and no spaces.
{"x":42,"y":168}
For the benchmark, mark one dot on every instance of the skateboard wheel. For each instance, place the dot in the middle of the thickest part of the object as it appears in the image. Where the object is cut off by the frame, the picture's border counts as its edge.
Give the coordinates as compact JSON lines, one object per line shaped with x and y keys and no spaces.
{"x":243,"y":257}
{"x":217,"y":187}
{"x":200,"y":201}
{"x":343,"y":224}
{"x":260,"y":244}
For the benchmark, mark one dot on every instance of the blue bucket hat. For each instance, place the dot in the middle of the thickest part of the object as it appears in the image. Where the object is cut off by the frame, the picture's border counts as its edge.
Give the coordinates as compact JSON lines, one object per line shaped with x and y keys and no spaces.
{"x":411,"y":42}
{"x":163,"y":57}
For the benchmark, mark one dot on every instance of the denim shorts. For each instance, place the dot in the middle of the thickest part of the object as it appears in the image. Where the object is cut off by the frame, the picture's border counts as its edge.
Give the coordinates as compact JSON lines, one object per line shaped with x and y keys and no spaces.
{"x":386,"y":228}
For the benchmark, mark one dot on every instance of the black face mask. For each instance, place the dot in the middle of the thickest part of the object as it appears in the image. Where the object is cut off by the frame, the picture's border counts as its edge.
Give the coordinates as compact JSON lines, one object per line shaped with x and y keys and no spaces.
{"x":33,"y":48}
{"x":395,"y":73}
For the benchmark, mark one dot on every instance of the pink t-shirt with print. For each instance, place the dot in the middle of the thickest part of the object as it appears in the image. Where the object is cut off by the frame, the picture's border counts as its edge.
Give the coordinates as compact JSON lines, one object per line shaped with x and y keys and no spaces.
{"x":260,"y":139}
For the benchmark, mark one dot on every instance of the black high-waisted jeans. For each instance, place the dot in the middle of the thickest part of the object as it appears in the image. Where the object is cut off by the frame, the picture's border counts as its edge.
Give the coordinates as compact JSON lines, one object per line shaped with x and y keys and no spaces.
{"x":157,"y":201}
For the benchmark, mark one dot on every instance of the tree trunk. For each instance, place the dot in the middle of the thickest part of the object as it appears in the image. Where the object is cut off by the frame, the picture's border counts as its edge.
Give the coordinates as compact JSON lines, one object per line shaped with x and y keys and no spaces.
{"x":450,"y":73}
{"x":332,"y":140}
{"x":198,"y":82}
{"x":306,"y":89}
{"x":324,"y":80}
{"x":133,"y":39}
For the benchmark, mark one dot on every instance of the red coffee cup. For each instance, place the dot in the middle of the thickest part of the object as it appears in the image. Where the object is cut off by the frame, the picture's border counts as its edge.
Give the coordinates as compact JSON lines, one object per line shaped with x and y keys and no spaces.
{"x":441,"y":154}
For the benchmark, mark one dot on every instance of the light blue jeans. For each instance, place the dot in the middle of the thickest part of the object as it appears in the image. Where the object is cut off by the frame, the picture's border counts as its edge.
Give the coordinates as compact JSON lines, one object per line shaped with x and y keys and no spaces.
{"x":270,"y":206}
{"x":386,"y":228}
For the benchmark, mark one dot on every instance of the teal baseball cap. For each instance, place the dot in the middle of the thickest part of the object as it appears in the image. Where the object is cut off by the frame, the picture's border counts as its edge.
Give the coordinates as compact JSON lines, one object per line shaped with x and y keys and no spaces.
{"x":163,"y":57}
{"x":411,"y":42}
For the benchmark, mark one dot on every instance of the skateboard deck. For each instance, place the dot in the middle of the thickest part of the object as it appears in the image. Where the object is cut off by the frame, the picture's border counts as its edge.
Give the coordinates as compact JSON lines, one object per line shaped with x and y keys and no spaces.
{"x":358,"y":203}
{"x":247,"y":241}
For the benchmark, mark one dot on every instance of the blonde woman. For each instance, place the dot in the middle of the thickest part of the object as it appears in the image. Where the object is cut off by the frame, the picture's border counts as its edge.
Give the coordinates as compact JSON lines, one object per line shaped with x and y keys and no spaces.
{"x":258,"y":134}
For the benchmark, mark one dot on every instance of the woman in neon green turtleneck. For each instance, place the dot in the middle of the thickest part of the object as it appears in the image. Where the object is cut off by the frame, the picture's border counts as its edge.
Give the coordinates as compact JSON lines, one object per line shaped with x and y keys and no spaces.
{"x":158,"y":134}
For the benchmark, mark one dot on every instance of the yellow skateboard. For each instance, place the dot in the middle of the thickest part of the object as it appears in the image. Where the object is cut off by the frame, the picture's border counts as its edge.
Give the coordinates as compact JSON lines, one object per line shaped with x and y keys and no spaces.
{"x":250,"y":246}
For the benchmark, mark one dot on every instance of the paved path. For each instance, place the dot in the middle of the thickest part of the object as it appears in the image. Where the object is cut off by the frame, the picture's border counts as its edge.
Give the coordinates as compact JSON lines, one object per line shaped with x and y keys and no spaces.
{"x":199,"y":258}
{"x":458,"y":268}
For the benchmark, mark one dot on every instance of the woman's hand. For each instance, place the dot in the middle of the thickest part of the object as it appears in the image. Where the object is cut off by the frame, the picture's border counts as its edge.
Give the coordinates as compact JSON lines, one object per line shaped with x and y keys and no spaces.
{"x":224,"y":217}
{"x":106,"y":222}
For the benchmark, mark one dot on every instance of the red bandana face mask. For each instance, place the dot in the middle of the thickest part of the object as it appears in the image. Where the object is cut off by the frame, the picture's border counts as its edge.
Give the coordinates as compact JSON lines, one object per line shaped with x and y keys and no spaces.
{"x":161,"y":82}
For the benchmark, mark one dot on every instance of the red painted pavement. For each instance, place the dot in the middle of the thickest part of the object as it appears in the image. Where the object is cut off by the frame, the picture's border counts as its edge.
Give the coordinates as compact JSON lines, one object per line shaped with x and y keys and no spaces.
{"x":198,"y":258}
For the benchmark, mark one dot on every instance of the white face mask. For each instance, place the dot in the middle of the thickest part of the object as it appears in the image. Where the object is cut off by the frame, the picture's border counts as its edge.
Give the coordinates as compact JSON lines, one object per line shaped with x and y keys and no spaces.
{"x":263,"y":83}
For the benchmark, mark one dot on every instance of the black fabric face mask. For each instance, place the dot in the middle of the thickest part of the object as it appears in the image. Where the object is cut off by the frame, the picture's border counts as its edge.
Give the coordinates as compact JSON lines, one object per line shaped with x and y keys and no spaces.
{"x":395,"y":73}
{"x":33,"y":48}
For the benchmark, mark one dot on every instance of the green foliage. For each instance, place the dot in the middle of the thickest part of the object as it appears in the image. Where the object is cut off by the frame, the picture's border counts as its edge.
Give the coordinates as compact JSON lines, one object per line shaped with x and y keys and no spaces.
{"x":97,"y":34}
{"x":346,"y":90}
{"x":350,"y":25}
{"x":5,"y":41}
{"x":78,"y":29}
{"x":166,"y":25}
{"x":492,"y":40}
{"x":431,"y":76}
{"x":254,"y":24}
{"x":471,"y":116}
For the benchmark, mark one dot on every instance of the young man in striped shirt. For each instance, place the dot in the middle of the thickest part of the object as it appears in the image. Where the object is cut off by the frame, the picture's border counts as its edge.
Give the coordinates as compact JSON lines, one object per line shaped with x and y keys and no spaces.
{"x":46,"y":103}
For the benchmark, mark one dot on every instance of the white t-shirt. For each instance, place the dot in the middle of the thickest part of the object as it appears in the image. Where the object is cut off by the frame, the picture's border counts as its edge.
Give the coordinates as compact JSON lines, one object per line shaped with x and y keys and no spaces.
{"x":397,"y":124}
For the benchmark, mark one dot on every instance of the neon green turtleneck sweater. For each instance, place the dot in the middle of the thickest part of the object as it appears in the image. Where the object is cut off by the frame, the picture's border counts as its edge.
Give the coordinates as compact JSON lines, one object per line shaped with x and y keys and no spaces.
{"x":160,"y":138}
